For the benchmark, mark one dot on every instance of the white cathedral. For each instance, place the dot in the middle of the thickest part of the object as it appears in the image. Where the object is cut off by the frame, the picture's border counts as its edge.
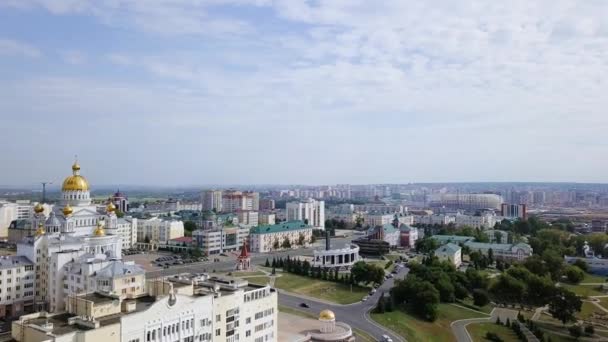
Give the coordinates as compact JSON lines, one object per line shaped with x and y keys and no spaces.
{"x":73,"y":234}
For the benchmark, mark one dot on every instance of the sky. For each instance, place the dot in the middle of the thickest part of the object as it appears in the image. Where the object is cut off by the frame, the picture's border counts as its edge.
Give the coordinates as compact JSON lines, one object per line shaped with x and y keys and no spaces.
{"x":188,"y":92}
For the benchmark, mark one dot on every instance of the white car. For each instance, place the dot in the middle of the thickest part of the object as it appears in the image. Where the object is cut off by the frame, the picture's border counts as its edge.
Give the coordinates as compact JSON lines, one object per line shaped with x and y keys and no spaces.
{"x":364,"y":298}
{"x":386,"y":338}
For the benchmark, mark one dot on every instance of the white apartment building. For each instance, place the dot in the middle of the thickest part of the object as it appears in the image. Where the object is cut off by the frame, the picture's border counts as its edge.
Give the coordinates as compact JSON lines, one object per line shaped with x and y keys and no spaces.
{"x":212,"y":200}
{"x":377,"y":219}
{"x":159,"y":229}
{"x":18,"y":210}
{"x":481,"y":222}
{"x":236,"y":200}
{"x":220,"y":240}
{"x":451,"y":253}
{"x":17,"y":281}
{"x":248,"y":217}
{"x":310,"y":211}
{"x":215,"y":309}
{"x":438,"y":219}
{"x":268,"y":238}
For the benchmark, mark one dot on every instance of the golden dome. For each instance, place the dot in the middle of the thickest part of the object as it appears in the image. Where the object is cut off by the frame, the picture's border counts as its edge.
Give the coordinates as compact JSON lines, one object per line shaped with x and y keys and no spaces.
{"x":110,"y":207}
{"x":99,"y":230}
{"x":67,"y":210}
{"x":75,"y":182}
{"x":327,"y":315}
{"x":38,"y":208}
{"x":40,"y":230}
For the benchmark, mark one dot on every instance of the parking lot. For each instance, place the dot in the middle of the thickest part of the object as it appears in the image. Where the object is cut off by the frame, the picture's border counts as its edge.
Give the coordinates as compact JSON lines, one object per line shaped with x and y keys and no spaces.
{"x":154,"y":261}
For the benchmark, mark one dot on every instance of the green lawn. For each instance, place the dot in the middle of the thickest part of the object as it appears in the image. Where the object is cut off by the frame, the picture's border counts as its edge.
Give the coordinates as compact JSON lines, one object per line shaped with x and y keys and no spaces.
{"x":478,"y":332}
{"x":604,"y":302}
{"x":587,"y":309}
{"x":584,"y":290}
{"x":258,"y":280}
{"x":415,"y":329}
{"x":592,"y":278}
{"x":326,"y":290}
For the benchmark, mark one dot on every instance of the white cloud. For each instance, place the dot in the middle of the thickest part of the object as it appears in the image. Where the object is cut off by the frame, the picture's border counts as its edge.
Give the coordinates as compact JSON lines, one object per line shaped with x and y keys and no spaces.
{"x":9,"y":47}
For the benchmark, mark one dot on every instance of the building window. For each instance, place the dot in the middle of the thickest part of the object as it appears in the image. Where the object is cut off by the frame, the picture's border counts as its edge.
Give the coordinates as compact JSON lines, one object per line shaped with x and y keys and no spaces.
{"x":218,"y":332}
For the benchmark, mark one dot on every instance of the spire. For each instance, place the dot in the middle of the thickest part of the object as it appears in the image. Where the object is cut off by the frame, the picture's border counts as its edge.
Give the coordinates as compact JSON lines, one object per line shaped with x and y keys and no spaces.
{"x":244,"y":250}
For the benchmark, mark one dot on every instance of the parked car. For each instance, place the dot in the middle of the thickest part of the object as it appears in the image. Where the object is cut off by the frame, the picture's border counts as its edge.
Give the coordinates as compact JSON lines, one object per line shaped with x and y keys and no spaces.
{"x":304,"y":305}
{"x":364,"y":298}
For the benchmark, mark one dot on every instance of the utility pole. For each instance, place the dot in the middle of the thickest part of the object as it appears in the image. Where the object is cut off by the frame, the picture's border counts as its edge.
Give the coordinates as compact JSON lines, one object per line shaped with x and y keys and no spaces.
{"x":44,"y":190}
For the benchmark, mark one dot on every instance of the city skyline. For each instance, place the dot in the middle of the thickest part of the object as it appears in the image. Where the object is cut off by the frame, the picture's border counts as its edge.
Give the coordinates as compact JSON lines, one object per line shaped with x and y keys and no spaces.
{"x":284,"y":92}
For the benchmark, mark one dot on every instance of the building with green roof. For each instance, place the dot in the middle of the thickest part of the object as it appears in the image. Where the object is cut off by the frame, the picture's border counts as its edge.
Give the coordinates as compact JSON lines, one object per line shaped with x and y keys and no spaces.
{"x":271,"y":237}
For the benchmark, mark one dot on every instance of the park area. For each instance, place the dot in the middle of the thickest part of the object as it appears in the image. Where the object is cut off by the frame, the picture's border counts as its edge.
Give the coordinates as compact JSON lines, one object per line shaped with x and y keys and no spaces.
{"x":415,"y":329}
{"x":478,"y":332}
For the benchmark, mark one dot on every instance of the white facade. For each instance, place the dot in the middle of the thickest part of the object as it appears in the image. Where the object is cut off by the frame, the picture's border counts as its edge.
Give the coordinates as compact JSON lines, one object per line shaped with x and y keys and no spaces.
{"x":377,"y":219}
{"x":310,"y":211}
{"x":220,"y":240}
{"x":17,"y":281}
{"x":248,"y":218}
{"x":481,"y":222}
{"x":451,"y":253}
{"x":266,"y":218}
{"x":336,"y":258}
{"x":159,"y":229}
{"x":439,"y":219}
{"x":263,"y":239}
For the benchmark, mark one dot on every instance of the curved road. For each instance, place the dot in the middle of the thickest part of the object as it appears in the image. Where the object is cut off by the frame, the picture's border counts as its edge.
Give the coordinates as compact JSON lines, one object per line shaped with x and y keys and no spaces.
{"x":355,"y":315}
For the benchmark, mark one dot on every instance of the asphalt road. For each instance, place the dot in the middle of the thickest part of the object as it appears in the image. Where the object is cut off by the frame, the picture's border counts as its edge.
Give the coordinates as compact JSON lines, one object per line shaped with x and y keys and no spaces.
{"x":355,"y":315}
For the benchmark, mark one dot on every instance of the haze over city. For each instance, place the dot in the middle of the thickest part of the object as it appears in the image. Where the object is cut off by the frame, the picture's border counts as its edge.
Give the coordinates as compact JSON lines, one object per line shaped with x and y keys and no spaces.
{"x":225,"y":92}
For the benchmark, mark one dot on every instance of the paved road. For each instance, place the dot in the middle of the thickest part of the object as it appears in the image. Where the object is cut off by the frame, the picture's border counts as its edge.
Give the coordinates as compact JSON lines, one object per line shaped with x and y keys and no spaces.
{"x":355,"y":315}
{"x":459,"y":328}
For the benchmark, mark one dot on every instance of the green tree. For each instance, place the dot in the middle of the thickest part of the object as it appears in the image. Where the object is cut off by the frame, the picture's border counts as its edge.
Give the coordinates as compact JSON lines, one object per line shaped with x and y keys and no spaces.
{"x":267,"y":264}
{"x":581,"y":264}
{"x":276,"y":244}
{"x":574,"y":274}
{"x":508,"y":289}
{"x":313,"y":239}
{"x":286,"y":243}
{"x":421,"y":297}
{"x":480,"y":297}
{"x":491,"y":256}
{"x":564,"y":304}
{"x":189,"y":226}
{"x":359,"y":272}
{"x":301,"y":239}
{"x":381,"y":305}
{"x":119,"y":213}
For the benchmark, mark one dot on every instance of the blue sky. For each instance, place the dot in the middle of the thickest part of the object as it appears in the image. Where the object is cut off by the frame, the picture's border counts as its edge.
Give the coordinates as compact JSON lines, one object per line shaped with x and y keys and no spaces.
{"x":188,"y":92}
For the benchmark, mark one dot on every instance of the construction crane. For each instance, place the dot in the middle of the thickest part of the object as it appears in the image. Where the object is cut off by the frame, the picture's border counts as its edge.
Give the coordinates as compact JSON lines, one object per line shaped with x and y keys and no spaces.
{"x":44,"y":190}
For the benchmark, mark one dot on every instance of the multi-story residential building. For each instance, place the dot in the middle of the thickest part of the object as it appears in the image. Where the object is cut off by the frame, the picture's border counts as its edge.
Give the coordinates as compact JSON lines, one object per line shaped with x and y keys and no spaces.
{"x":513,"y":211}
{"x":248,"y":217}
{"x":439,"y":219}
{"x":212,"y":200}
{"x":176,"y":309}
{"x":160,"y":230}
{"x":19,"y":210}
{"x":220,"y":240}
{"x":267,"y":204}
{"x":266,"y":218}
{"x":310,"y":211}
{"x":266,"y":238}
{"x":17,"y":286}
{"x":233,"y":200}
{"x":377,"y":219}
{"x":482,"y":222}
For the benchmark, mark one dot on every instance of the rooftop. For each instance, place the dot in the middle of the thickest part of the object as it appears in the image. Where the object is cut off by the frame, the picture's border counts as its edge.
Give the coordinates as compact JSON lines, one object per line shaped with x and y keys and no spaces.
{"x":448,"y":248}
{"x":13,"y":261}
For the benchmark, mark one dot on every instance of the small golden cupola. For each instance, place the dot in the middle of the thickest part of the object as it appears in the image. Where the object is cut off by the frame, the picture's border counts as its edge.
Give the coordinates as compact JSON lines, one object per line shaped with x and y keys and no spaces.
{"x":75,"y":182}
{"x":110,"y":208}
{"x":67,"y":210}
{"x":40,"y":231}
{"x":99,"y":231}
{"x":38,"y":208}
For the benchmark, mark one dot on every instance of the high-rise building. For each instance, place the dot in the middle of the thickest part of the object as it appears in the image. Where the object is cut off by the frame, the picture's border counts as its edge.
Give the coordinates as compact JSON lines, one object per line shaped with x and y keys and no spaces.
{"x":267,"y":204}
{"x":212,"y":200}
{"x":310,"y":211}
{"x":514,"y":211}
